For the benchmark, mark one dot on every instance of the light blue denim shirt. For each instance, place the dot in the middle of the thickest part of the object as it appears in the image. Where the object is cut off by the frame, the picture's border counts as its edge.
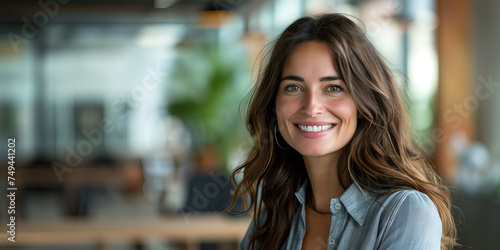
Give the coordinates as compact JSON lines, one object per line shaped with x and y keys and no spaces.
{"x":405,"y":219}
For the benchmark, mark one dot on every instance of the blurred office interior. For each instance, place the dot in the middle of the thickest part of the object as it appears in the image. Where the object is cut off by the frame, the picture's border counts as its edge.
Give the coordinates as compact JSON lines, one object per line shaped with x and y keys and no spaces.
{"x":127,"y":124}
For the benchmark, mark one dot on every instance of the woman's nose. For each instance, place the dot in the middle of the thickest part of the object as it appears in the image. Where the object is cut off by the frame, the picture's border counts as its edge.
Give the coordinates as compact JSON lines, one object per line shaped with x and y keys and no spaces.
{"x":312,"y":104}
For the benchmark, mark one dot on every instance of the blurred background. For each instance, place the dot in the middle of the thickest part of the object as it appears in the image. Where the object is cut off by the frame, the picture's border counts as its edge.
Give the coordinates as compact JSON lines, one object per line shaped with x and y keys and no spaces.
{"x":126,"y":113}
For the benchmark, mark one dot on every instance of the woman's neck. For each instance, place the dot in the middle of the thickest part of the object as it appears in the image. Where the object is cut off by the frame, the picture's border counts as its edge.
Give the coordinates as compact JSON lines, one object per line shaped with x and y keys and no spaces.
{"x":323,"y":176}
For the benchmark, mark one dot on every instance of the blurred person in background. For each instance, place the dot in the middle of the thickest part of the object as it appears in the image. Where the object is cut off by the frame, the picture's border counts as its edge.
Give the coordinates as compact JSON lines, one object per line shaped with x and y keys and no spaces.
{"x":333,"y":164}
{"x":208,"y":186}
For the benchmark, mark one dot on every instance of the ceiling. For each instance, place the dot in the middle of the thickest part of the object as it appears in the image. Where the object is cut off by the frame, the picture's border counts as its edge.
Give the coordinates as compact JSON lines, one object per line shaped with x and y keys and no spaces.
{"x":117,"y":11}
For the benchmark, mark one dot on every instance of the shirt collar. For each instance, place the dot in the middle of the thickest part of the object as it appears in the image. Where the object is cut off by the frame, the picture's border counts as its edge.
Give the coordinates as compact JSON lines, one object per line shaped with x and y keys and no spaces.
{"x":356,"y":201}
{"x":301,"y":193}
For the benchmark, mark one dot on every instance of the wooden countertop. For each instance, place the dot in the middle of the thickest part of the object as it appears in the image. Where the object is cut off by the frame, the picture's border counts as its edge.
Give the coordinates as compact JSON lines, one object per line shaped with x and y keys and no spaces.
{"x":190,"y":229}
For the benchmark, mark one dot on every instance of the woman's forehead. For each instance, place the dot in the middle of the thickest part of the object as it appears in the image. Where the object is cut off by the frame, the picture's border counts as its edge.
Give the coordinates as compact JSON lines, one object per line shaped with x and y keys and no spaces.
{"x":310,"y":57}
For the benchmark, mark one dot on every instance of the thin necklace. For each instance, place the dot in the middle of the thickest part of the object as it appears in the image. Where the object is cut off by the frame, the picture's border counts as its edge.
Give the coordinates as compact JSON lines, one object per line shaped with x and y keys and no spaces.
{"x":310,"y":203}
{"x":314,"y":209}
{"x":325,"y":217}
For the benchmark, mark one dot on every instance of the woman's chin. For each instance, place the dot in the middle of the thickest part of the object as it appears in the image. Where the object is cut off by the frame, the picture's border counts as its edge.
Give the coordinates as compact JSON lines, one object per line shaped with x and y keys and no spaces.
{"x":313,"y":152}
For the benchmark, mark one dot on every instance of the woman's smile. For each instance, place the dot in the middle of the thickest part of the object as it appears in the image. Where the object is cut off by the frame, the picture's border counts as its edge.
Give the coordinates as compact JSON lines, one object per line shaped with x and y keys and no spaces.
{"x":314,"y":129}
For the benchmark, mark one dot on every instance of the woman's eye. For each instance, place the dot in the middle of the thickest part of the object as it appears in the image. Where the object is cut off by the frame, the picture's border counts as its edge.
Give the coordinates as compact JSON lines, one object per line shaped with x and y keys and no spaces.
{"x":333,"y":88}
{"x":292,"y":88}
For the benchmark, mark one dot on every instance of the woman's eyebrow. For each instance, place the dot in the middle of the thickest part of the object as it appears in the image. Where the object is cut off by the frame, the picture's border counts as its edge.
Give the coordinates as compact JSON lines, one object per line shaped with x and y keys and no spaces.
{"x":293,"y":78}
{"x":329,"y":78}
{"x":300,"y":79}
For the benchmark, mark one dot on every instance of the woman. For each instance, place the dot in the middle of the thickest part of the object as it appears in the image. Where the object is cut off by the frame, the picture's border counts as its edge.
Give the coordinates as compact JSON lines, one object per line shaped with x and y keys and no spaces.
{"x":333,"y":165}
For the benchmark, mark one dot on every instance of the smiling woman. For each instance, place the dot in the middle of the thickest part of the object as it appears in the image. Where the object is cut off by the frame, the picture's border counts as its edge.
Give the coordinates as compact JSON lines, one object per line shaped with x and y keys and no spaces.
{"x":336,"y":168}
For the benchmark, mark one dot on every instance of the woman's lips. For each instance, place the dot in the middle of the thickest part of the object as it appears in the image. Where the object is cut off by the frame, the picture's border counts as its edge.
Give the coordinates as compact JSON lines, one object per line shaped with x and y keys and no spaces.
{"x":314,"y":129}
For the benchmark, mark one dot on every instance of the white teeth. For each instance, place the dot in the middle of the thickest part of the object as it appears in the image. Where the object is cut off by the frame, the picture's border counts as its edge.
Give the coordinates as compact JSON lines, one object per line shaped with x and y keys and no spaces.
{"x":315,"y":128}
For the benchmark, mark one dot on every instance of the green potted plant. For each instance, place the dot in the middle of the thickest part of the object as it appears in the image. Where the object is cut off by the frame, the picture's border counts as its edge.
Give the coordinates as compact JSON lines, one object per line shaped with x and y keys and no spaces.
{"x":208,"y":85}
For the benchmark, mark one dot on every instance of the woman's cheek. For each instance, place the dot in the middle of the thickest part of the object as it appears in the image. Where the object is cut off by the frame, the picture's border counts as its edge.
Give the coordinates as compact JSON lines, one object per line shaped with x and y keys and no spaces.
{"x":285,"y":109}
{"x":344,"y":108}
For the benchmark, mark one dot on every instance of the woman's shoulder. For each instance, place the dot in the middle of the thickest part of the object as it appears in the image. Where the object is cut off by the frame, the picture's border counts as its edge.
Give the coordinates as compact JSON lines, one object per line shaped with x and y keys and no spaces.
{"x":408,"y":206}
{"x":406,"y":219}
{"x":396,"y":199}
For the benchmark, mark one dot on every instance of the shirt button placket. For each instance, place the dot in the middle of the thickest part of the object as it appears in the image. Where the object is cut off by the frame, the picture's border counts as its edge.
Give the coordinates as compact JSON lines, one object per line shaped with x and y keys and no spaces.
{"x":331,"y":242}
{"x":337,"y":206}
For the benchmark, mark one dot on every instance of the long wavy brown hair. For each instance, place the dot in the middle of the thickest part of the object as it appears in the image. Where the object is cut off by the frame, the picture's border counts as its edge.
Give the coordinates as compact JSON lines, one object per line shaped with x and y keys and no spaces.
{"x":380,"y":156}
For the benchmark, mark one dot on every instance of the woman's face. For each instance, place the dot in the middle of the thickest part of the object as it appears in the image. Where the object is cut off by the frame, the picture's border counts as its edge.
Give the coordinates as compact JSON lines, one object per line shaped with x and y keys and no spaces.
{"x":316,"y":113}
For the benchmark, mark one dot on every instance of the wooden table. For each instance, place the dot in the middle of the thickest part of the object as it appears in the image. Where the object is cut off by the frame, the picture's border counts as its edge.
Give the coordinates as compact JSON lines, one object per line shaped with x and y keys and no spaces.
{"x":189,"y":229}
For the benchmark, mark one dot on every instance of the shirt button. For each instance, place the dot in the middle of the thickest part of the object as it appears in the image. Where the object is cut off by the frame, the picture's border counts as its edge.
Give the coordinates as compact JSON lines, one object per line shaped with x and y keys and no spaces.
{"x":337,"y":206}
{"x":331,"y":241}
